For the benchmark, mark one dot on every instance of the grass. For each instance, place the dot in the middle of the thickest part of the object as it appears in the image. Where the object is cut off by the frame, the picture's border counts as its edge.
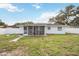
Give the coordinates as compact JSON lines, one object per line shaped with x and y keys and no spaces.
{"x":5,"y":44}
{"x":51,"y":45}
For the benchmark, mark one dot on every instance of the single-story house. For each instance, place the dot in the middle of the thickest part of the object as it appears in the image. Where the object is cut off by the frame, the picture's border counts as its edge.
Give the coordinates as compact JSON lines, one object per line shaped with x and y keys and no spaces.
{"x":39,"y":29}
{"x":42,"y":29}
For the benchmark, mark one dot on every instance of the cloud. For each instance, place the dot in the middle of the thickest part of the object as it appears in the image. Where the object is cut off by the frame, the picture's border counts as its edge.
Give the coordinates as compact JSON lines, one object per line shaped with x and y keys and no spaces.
{"x":10,"y":7}
{"x":37,"y":6}
{"x":44,"y":17}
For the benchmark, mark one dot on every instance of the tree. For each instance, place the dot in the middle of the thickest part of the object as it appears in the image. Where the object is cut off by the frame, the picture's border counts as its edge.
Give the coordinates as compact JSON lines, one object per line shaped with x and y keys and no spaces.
{"x":65,"y":14}
{"x":75,"y":22}
{"x":22,"y":23}
{"x":1,"y":23}
{"x":69,"y":9}
{"x":29,"y":22}
{"x":52,"y":19}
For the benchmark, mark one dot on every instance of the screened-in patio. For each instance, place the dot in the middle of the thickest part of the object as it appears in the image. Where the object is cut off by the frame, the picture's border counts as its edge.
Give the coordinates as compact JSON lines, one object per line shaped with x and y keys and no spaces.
{"x":34,"y":30}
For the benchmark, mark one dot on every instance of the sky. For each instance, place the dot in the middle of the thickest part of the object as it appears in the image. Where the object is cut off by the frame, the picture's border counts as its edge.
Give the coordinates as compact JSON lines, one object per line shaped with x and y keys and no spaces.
{"x":35,"y":12}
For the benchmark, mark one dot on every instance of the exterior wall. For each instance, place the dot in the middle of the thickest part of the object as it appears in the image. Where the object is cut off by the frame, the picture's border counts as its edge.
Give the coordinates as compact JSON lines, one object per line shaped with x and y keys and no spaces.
{"x":54,"y":30}
{"x":11,"y":31}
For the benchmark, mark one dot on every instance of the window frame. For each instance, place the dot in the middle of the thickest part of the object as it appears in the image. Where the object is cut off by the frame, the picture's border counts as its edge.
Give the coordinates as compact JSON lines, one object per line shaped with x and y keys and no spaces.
{"x":49,"y":28}
{"x":59,"y":28}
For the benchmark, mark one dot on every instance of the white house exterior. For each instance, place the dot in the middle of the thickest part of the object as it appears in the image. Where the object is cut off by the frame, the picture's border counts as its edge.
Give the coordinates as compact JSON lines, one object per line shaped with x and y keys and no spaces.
{"x":39,"y":29}
{"x":48,"y":28}
{"x":55,"y":29}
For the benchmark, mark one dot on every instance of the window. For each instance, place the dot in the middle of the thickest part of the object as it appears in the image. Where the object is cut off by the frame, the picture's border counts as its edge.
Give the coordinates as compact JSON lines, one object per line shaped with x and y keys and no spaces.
{"x":49,"y":28}
{"x":59,"y":28}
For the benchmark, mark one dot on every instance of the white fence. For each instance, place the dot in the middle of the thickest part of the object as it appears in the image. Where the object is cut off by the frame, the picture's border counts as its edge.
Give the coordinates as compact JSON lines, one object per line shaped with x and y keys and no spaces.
{"x":11,"y":31}
{"x":72,"y":30}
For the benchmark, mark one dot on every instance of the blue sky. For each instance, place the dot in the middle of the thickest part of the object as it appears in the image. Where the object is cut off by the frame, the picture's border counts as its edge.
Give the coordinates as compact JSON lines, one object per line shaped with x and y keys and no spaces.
{"x":22,"y":12}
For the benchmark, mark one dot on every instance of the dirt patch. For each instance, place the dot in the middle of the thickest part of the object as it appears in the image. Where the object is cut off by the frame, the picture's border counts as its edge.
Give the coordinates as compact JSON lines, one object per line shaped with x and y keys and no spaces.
{"x":17,"y":52}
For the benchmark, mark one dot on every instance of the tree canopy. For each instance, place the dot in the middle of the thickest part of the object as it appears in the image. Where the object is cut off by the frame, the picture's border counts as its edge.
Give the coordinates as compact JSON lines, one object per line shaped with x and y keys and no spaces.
{"x":2,"y":23}
{"x":68,"y":16}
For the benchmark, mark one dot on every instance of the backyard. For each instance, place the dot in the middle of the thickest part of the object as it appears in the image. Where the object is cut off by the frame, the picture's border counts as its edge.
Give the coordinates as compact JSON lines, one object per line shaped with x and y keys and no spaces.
{"x":50,"y":45}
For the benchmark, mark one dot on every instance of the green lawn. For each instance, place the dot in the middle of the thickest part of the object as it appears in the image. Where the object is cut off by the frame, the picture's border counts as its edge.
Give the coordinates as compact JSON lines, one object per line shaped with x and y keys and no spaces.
{"x":5,"y":44}
{"x":51,"y":45}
